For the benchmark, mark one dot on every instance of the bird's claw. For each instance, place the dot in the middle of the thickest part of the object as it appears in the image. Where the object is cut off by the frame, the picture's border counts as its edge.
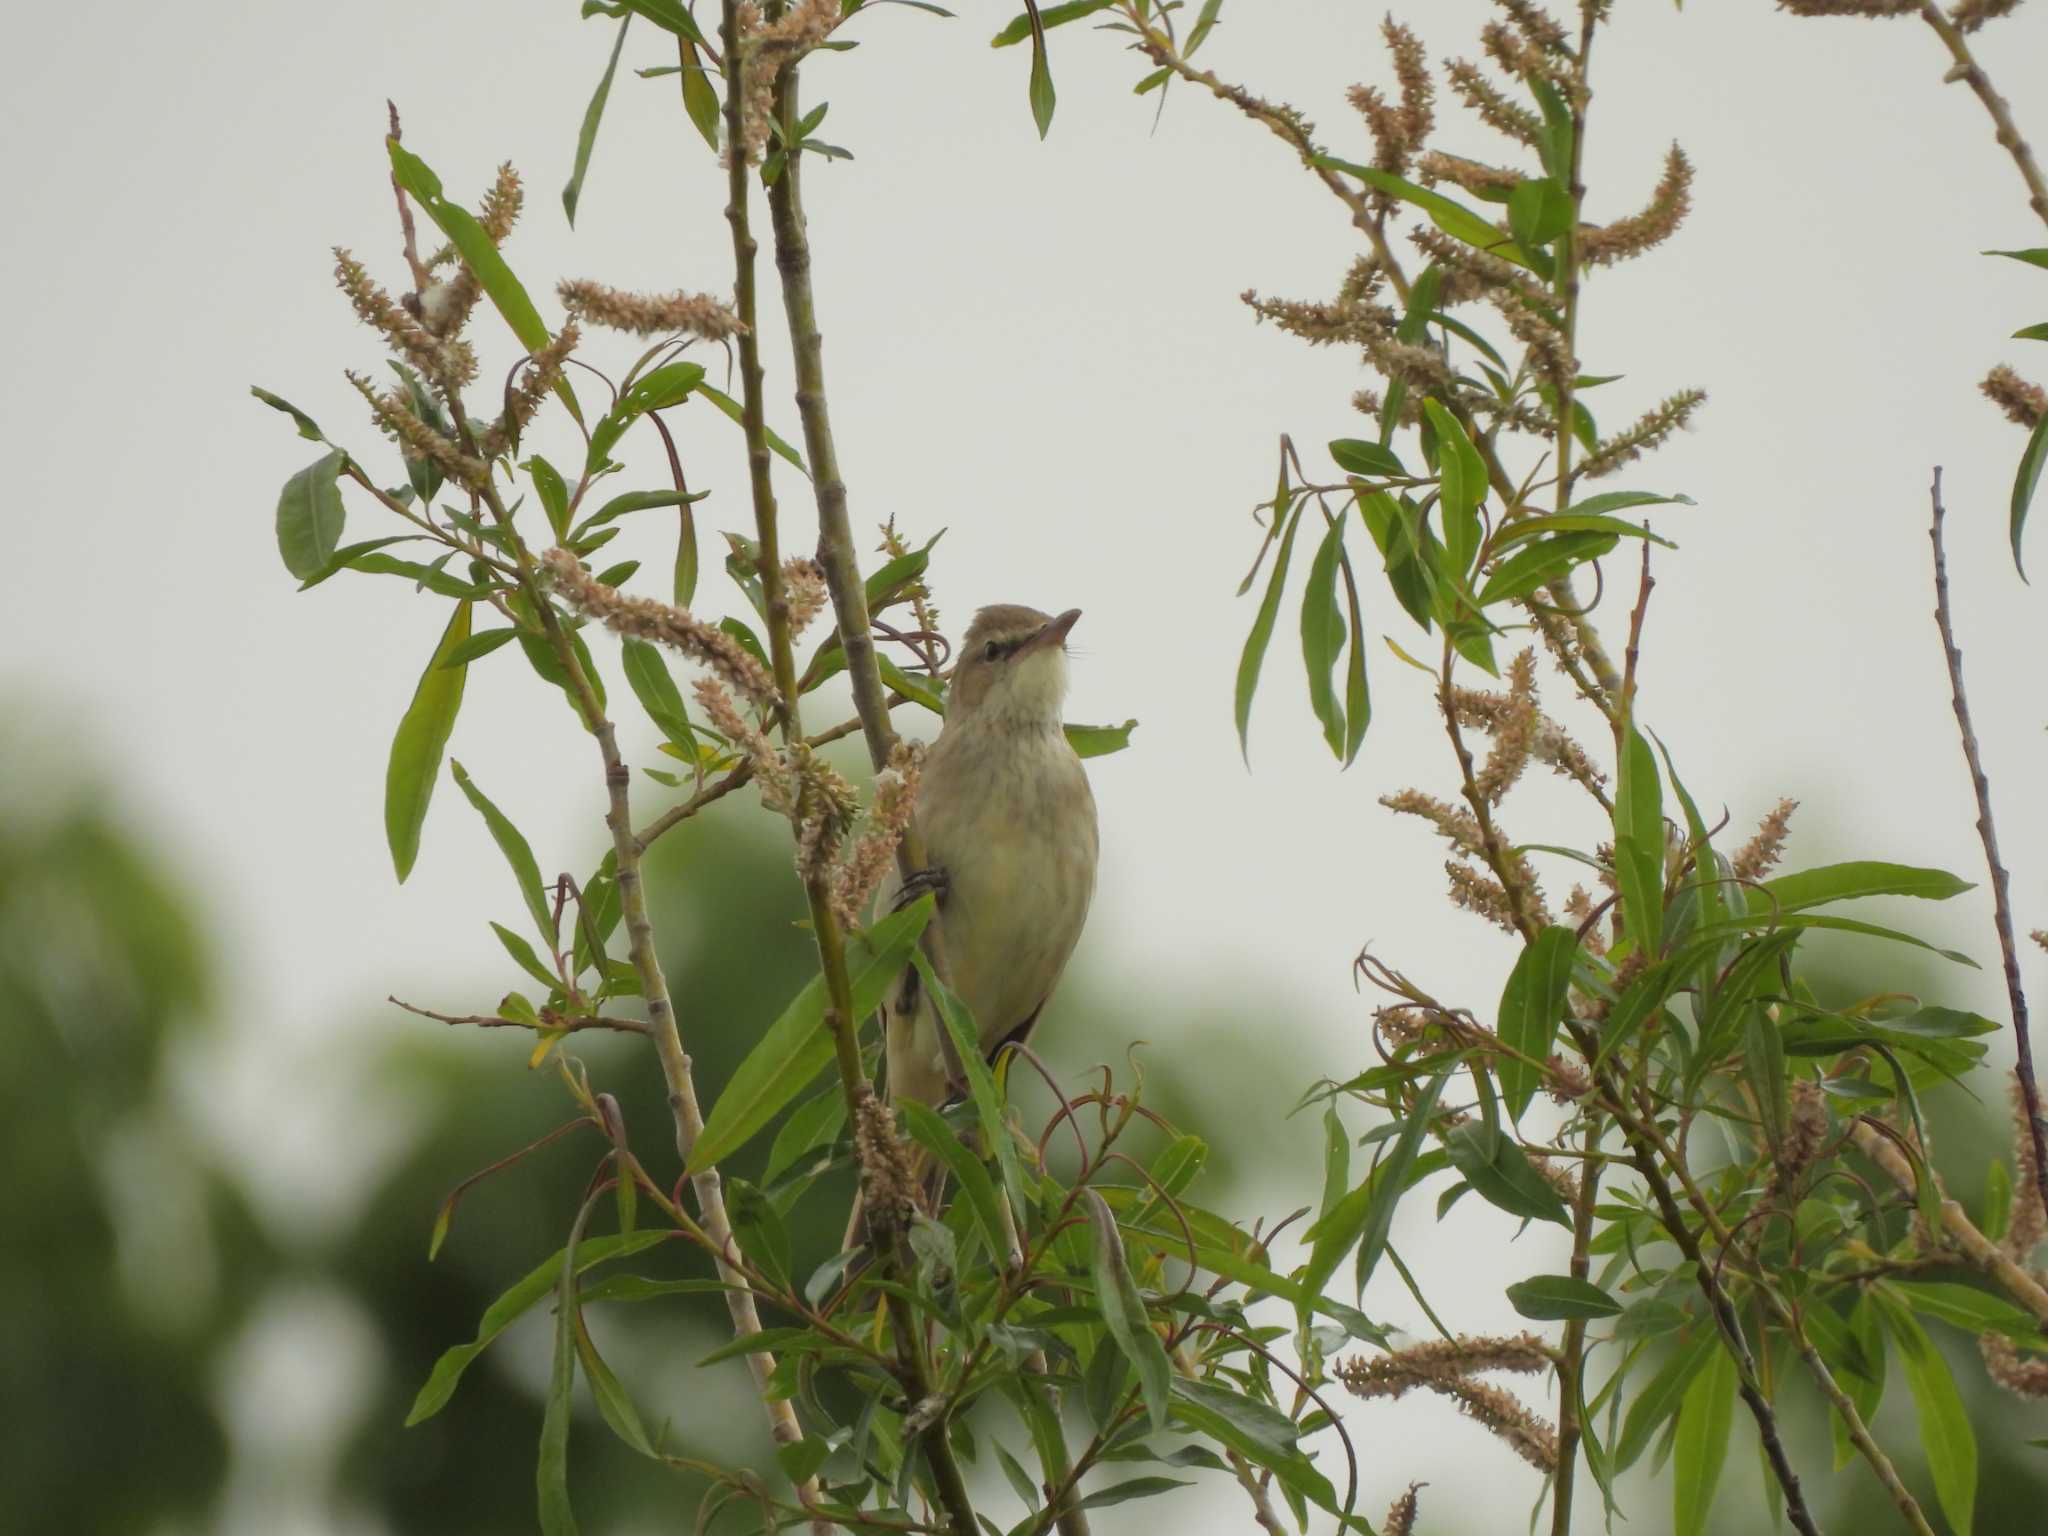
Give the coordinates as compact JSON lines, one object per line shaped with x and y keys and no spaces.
{"x":918,"y":882}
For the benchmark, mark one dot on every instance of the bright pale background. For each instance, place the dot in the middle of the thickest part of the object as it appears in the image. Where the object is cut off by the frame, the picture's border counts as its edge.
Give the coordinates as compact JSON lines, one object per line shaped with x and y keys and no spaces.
{"x":1040,"y":347}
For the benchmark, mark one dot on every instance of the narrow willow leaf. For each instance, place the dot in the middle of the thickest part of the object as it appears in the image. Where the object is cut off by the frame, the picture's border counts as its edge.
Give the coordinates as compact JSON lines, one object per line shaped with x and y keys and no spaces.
{"x":1705,"y":1421}
{"x":1043,"y":98}
{"x":551,"y":1472}
{"x":612,"y":1398}
{"x":1503,"y":1175}
{"x":1261,"y":636}
{"x":474,"y":246}
{"x":1200,"y":30}
{"x":1136,"y":1488}
{"x":669,"y":15}
{"x":1540,"y":561}
{"x":512,"y":843}
{"x":593,"y":114}
{"x":1968,"y":1308}
{"x":648,"y":675}
{"x":2024,"y":484}
{"x":348,"y":554}
{"x":1573,"y":522}
{"x":933,"y":1134}
{"x":1123,"y":1311}
{"x":308,"y":427}
{"x":1843,"y":882}
{"x":797,"y":1046}
{"x":310,"y":515}
{"x":1453,"y":218}
{"x":733,"y":408}
{"x":700,"y":96}
{"x":1366,"y":1215}
{"x":1322,"y":636}
{"x":554,"y":495}
{"x":1099,"y":740}
{"x":1539,"y":210}
{"x":1947,"y":1439}
{"x":1357,"y":692}
{"x":1557,"y":1298}
{"x":981,"y":1083}
{"x":1639,"y":842}
{"x":1257,"y":1431}
{"x":1531,"y":1007}
{"x":1661,"y":1395}
{"x":540,"y":1282}
{"x":523,"y":956}
{"x":416,"y":748}
{"x":1461,"y":480}
{"x":1020,"y":25}
{"x":1362,"y":458}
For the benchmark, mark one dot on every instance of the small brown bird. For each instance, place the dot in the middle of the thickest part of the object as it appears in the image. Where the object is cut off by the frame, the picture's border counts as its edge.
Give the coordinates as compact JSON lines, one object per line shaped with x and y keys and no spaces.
{"x":1009,"y":829}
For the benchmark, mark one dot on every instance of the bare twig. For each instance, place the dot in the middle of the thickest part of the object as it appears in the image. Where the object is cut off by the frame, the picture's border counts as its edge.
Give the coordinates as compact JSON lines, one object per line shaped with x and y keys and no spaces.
{"x":1971,"y":73}
{"x":2001,"y":897}
{"x":547,"y":1024}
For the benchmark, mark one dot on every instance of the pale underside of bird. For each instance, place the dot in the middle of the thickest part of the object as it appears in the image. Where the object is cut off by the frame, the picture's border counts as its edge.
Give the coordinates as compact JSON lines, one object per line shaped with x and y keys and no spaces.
{"x":1009,"y":829}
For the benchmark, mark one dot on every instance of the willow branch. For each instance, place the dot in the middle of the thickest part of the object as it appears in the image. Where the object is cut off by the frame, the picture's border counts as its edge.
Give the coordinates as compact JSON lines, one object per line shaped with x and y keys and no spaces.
{"x":841,"y":1018}
{"x":1971,"y":73}
{"x":1860,"y":1436}
{"x":1571,"y":1365}
{"x":1987,"y":832}
{"x":837,"y":555}
{"x":1976,"y":1247}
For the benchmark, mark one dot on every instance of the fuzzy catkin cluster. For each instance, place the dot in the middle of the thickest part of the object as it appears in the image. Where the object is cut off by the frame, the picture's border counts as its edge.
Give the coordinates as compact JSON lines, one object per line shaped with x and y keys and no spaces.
{"x":646,"y":619}
{"x":1446,"y":1366}
{"x":648,"y":314}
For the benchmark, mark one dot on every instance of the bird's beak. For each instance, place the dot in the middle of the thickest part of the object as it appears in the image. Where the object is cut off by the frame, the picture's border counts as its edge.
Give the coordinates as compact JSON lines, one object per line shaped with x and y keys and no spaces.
{"x":1053,"y":635}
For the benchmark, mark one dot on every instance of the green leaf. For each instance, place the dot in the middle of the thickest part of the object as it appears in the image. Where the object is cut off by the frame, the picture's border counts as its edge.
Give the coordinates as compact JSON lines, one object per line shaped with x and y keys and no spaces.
{"x":1639,"y":842}
{"x":2024,"y":484}
{"x":1843,"y":882}
{"x":512,"y":843}
{"x":700,"y":96}
{"x":2037,"y":257}
{"x":554,"y":495}
{"x":416,"y":748}
{"x":1969,"y":1308}
{"x":308,"y":427}
{"x":800,"y":1462}
{"x":1366,"y":1215}
{"x":1539,"y":211}
{"x":1557,"y":1298}
{"x":2032,"y":332}
{"x":310,"y":515}
{"x":523,"y":956}
{"x":933,"y":1134}
{"x":1357,"y":694}
{"x":1203,"y":22}
{"x":1258,"y":1432}
{"x":1945,"y":1434}
{"x":1572,"y":522}
{"x":1503,"y":1175}
{"x":669,"y":15}
{"x":1020,"y":26}
{"x":796,"y":1047}
{"x":1136,"y":1488}
{"x":592,"y":116}
{"x":1461,"y":478}
{"x":1661,"y":1395}
{"x":1123,"y":1310}
{"x":613,"y":1401}
{"x":732,"y":408}
{"x":544,"y":1279}
{"x":1541,"y":561}
{"x":348,"y":554}
{"x":431,"y":577}
{"x":551,"y":1473}
{"x":1705,"y":1421}
{"x":477,"y":252}
{"x":1531,"y":1007}
{"x":1099,"y":740}
{"x":648,"y":676}
{"x":1453,"y":218}
{"x":1322,"y":636}
{"x":1261,"y":636}
{"x":981,"y":1083}
{"x":1362,"y":458}
{"x":812,"y":1124}
{"x":1043,"y":98}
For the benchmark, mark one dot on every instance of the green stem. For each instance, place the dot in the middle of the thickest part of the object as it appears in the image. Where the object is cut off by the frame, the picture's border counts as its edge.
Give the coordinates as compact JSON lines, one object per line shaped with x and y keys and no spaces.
{"x":1571,"y":1367}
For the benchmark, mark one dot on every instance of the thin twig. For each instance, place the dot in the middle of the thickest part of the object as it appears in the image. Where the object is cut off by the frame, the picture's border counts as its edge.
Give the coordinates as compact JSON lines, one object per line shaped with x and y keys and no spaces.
{"x":546,"y":1025}
{"x":2001,"y":896}
{"x":1971,"y":73}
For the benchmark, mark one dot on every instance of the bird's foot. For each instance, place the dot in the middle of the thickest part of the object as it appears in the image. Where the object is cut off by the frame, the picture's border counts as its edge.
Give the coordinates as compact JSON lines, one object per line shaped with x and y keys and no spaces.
{"x":918,"y":882}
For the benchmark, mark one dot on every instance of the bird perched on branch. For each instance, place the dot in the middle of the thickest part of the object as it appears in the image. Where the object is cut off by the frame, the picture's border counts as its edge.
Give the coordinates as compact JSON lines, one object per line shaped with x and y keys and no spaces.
{"x":1009,"y":832}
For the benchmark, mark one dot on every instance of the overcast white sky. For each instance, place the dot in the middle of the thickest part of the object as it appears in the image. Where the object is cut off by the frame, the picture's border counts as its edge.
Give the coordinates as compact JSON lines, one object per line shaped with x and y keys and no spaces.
{"x":1040,"y":347}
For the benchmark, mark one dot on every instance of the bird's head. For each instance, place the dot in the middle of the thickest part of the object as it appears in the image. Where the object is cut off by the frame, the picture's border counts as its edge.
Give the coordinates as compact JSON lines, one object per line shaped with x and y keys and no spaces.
{"x":1013,"y":666}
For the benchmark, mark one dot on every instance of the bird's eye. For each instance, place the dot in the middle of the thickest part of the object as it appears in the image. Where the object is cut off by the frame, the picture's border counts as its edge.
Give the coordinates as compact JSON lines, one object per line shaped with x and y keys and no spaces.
{"x":991,"y":651}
